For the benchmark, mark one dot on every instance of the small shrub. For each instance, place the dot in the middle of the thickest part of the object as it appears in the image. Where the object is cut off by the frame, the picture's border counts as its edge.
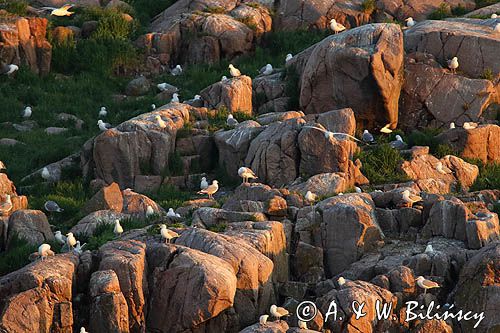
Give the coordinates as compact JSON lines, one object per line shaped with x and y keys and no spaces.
{"x":487,"y":74}
{"x":369,"y":6}
{"x":170,"y":197}
{"x":175,"y":165}
{"x":444,"y":149}
{"x":442,"y":12}
{"x":18,"y":7}
{"x":489,"y":176}
{"x":220,"y":227}
{"x":17,"y":255}
{"x":214,"y":10}
{"x":459,"y":10}
{"x":382,"y":165}
{"x":292,"y":88}
{"x":249,"y":22}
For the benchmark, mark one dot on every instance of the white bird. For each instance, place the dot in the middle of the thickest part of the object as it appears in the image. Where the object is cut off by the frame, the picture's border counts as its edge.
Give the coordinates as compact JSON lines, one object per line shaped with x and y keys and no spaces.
{"x":82,"y":330}
{"x":426,"y":284}
{"x":6,"y":206}
{"x":497,"y":27}
{"x":340,"y":193}
{"x":386,"y":129}
{"x":176,"y":71}
{"x":410,"y":22}
{"x":44,"y":251}
{"x":26,"y":113}
{"x":469,"y":125}
{"x":2,"y":166}
{"x":79,"y":248}
{"x":341,"y":281}
{"x":203,"y":183}
{"x":289,"y":57}
{"x":63,"y":11}
{"x":52,"y":206}
{"x":246,"y":174}
{"x":336,"y":27}
{"x":441,"y":169}
{"x":410,"y":199}
{"x":162,"y":86}
{"x":235,"y":72}
{"x":452,"y":125}
{"x":310,"y":197}
{"x":103,"y":126}
{"x":494,"y":15}
{"x":197,"y":97}
{"x":161,"y":123}
{"x":171,"y":213}
{"x":302,"y":325}
{"x":45,"y":173}
{"x":266,"y":70}
{"x":153,"y":106}
{"x":367,"y":137}
{"x":278,"y":312}
{"x":263,"y":319}
{"x":453,"y":64}
{"x":70,"y":240}
{"x":167,"y":234}
{"x":149,"y":211}
{"x":230,"y":121}
{"x":210,"y":190}
{"x":118,"y":230}
{"x":9,"y":69}
{"x":429,"y":249}
{"x":103,"y":112}
{"x":358,"y":189}
{"x":175,"y":98}
{"x":60,"y":238}
{"x":178,"y":215}
{"x":398,"y":143}
{"x":223,"y":78}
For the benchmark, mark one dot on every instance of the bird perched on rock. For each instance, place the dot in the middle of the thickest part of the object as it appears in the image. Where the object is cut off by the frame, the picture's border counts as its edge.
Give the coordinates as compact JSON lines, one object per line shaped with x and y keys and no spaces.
{"x":177,"y":70}
{"x":161,"y":123}
{"x":341,"y":281}
{"x":358,"y":189}
{"x":266,"y":70}
{"x":45,"y":173}
{"x":82,"y":330}
{"x":196,"y":97}
{"x":452,"y":125}
{"x":246,"y":174}
{"x":118,"y":230}
{"x":340,"y":194}
{"x":6,"y":206}
{"x":62,"y":11}
{"x":302,"y":325}
{"x":149,"y":211}
{"x":469,"y":125}
{"x":263,"y":319}
{"x":429,"y":249}
{"x":103,"y":126}
{"x":409,"y":199}
{"x":175,"y":98}
{"x":453,"y":64}
{"x":9,"y":69}
{"x":79,"y":248}
{"x":211,"y":189}
{"x":70,"y":240}
{"x":494,"y":16}
{"x":398,"y":143}
{"x":235,"y":72}
{"x":2,"y":166}
{"x":288,"y":57}
{"x":44,"y":251}
{"x":223,"y":78}
{"x":60,"y":237}
{"x":26,"y":113}
{"x":426,"y":284}
{"x":171,"y":213}
{"x":153,"y":107}
{"x":386,"y":129}
{"x":162,"y":86}
{"x":410,"y":22}
{"x":497,"y":27}
{"x":230,"y":121}
{"x":103,"y":112}
{"x":278,"y":312}
{"x":310,"y":197}
{"x":336,"y":27}
{"x":167,"y":234}
{"x":367,"y":137}
{"x":203,"y":183}
{"x":52,"y":207}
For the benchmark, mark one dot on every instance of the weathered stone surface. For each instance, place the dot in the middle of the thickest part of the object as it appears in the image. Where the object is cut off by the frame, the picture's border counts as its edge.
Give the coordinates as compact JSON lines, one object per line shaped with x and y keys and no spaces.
{"x":108,"y":198}
{"x":268,"y":118}
{"x":30,"y":225}
{"x":235,"y":94}
{"x":138,"y":86}
{"x":88,"y":224}
{"x":419,"y":9}
{"x":269,"y":94}
{"x":270,"y":327}
{"x":481,"y":229}
{"x":211,"y":217}
{"x":308,"y":263}
{"x":137,"y":204}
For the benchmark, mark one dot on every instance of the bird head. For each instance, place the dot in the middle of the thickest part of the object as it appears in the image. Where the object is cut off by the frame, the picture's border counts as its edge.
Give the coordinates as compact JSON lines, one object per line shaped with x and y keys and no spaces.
{"x":333,"y":21}
{"x":197,"y":97}
{"x":170,"y":210}
{"x":175,"y":95}
{"x":99,"y":122}
{"x":454,"y":59}
{"x":158,"y":117}
{"x":230,"y":116}
{"x":273,"y":308}
{"x":409,"y":19}
{"x":163,"y":226}
{"x":365,"y":131}
{"x":103,"y":108}
{"x":117,"y":222}
{"x":58,"y":232}
{"x":178,"y":67}
{"x":69,"y":234}
{"x":420,"y":278}
{"x":204,"y":179}
{"x":215,"y":182}
{"x":399,"y":138}
{"x":230,"y":66}
{"x":269,"y":66}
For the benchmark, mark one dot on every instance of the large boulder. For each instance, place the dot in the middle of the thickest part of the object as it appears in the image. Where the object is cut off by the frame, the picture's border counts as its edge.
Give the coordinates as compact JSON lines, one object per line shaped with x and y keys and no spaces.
{"x":419,"y":9}
{"x":361,"y":68}
{"x":235,"y":94}
{"x":107,"y":198}
{"x":87,"y":225}
{"x":269,"y":93}
{"x":30,"y":225}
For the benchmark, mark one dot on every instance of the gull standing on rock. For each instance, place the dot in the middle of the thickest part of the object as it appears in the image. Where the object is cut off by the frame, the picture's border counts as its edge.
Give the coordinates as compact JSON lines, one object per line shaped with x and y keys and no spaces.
{"x":246,"y":174}
{"x":210,"y":190}
{"x":310,"y":197}
{"x":60,"y":238}
{"x":171,"y":213}
{"x":410,"y":199}
{"x":70,"y":240}
{"x":386,"y":129}
{"x":469,"y":125}
{"x":103,"y":112}
{"x":336,"y":27}
{"x":289,"y":57}
{"x":398,"y":143}
{"x":45,"y":173}
{"x":302,"y":325}
{"x":494,"y":15}
{"x":82,"y":330}
{"x":441,"y":169}
{"x":103,"y":126}
{"x":161,"y":123}
{"x":153,"y":107}
{"x":118,"y":230}
{"x":410,"y":22}
{"x":230,"y":121}
{"x":426,"y":284}
{"x":453,"y":64}
{"x":278,"y":312}
{"x":429,"y":249}
{"x":176,"y":71}
{"x":44,"y":251}
{"x":79,"y":248}
{"x":203,"y":183}
{"x":52,"y":206}
{"x":263,"y":319}
{"x":367,"y":137}
{"x":9,"y":69}
{"x":175,"y":98}
{"x":223,"y":78}
{"x":162,"y":86}
{"x":149,"y":211}
{"x":452,"y":125}
{"x":6,"y":206}
{"x":26,"y":113}
{"x":167,"y":234}
{"x":2,"y":166}
{"x":235,"y":72}
{"x":266,"y":70}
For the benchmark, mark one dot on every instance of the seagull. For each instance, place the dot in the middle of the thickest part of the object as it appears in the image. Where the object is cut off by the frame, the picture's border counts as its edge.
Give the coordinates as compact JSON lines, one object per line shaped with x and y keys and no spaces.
{"x":230,"y":121}
{"x":266,"y":70}
{"x":60,"y":238}
{"x":278,"y":312}
{"x":2,"y":166}
{"x":263,"y":319}
{"x":197,"y":97}
{"x":176,"y":71}
{"x":398,"y":143}
{"x":386,"y":129}
{"x":167,"y":234}
{"x":45,"y":173}
{"x":336,"y":27}
{"x":469,"y":125}
{"x":210,"y":190}
{"x":429,"y":249}
{"x":494,"y":15}
{"x":82,"y":330}
{"x":410,"y":199}
{"x":452,"y":125}
{"x":358,"y":189}
{"x":103,"y":112}
{"x":289,"y":57}
{"x":203,"y":183}
{"x":409,"y":22}
{"x":171,"y":213}
{"x":310,"y":197}
{"x":161,"y":123}
{"x":162,"y":86}
{"x":497,"y":27}
{"x":223,"y":78}
{"x":149,"y":211}
{"x":175,"y":98}
{"x":70,"y":240}
{"x":153,"y":106}
{"x":453,"y":64}
{"x":340,"y":193}
{"x":44,"y":251}
{"x":426,"y":284}
{"x":9,"y":69}
{"x":341,"y":281}
{"x":367,"y":137}
{"x":63,"y":11}
{"x":26,"y":113}
{"x":440,"y":168}
{"x":235,"y":72}
{"x":79,"y":248}
{"x":246,"y":174}
{"x":6,"y":206}
{"x":52,"y":206}
{"x":302,"y":325}
{"x":178,"y":215}
{"x":118,"y":230}
{"x":103,"y":126}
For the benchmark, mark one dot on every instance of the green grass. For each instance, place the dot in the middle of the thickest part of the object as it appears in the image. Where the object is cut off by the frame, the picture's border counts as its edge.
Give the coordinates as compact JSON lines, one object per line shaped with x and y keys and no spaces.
{"x":427,"y":137}
{"x":442,"y":12}
{"x":489,"y":176}
{"x":220,"y":227}
{"x":369,"y":6}
{"x":170,"y":197}
{"x":17,"y":256}
{"x":382,"y":165}
{"x":145,"y":10}
{"x":14,"y":6}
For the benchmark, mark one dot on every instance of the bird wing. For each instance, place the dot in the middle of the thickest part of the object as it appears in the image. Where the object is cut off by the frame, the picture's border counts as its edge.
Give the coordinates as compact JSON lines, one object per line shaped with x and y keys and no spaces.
{"x":66,"y":7}
{"x":282,"y":311}
{"x":430,"y":284}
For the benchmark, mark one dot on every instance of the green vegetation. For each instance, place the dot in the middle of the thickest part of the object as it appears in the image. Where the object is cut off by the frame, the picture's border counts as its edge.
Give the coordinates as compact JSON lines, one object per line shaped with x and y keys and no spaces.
{"x":489,"y":176}
{"x":442,"y":12}
{"x":104,"y":232}
{"x":220,"y":227}
{"x":488,"y":74}
{"x":369,"y":6}
{"x":18,"y":7}
{"x":17,"y":255}
{"x":170,"y":197}
{"x":382,"y":165}
{"x":146,"y":10}
{"x":214,"y":10}
{"x":427,"y":137}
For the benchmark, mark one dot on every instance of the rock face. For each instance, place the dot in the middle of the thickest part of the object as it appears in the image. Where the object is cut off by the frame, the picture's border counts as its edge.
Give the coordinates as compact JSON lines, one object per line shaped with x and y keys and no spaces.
{"x":270,"y":93}
{"x":44,"y":291}
{"x":448,"y":39}
{"x":108,"y":198}
{"x":23,"y":42}
{"x":419,"y":9}
{"x":30,"y":225}
{"x":361,"y":68}
{"x":481,"y":143}
{"x":88,"y":224}
{"x":235,"y":94}
{"x":7,"y":187}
